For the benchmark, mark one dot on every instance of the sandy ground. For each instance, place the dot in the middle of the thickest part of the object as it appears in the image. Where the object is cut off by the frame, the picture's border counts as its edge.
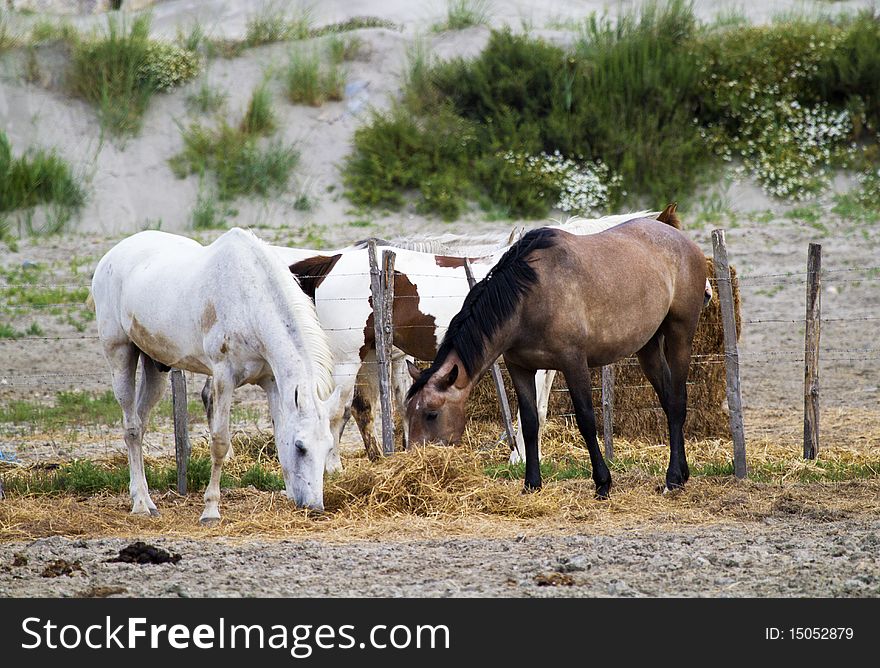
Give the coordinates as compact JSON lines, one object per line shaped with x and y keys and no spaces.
{"x":131,"y":187}
{"x":768,"y":559}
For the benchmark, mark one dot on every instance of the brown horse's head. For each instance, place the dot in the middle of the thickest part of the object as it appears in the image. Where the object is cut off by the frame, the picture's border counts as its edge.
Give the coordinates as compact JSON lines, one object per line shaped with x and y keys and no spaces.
{"x":435,"y":408}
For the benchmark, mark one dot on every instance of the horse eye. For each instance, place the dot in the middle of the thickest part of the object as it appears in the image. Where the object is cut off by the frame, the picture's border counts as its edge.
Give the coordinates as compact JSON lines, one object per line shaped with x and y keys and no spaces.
{"x":431,"y":415}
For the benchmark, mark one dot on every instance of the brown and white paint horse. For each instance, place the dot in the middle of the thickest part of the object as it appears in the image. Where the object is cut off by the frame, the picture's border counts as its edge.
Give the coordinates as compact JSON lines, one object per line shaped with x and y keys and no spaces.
{"x":566,"y":302}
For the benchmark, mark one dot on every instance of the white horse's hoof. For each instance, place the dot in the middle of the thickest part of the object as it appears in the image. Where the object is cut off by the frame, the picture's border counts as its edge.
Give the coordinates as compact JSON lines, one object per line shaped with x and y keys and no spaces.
{"x":144,"y":510}
{"x":209,"y":521}
{"x":514,"y":457}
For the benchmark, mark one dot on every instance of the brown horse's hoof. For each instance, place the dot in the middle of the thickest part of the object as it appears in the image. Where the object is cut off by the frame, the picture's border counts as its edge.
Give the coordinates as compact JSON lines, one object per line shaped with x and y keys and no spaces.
{"x":528,"y":489}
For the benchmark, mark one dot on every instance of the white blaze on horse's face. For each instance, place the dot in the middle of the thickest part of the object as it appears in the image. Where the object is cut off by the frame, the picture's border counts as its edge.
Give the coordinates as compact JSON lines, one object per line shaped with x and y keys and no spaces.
{"x":303,"y":446}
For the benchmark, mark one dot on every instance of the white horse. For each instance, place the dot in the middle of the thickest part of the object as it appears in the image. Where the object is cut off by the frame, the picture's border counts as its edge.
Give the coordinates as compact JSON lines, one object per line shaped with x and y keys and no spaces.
{"x":229,"y":310}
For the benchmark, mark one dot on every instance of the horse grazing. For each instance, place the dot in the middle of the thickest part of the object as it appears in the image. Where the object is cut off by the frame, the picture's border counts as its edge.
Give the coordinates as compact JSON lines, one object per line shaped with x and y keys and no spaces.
{"x":229,"y":310}
{"x":566,"y":302}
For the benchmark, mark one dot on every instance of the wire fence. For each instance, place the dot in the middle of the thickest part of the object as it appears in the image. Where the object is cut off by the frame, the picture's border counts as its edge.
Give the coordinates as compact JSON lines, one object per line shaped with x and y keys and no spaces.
{"x":847,"y":327}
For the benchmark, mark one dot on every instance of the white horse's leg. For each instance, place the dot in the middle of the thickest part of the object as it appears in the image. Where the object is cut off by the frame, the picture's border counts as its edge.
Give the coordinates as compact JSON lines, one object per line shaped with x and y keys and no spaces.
{"x":543,"y":386}
{"x":149,"y":392}
{"x":220,"y":443}
{"x":123,"y":359}
{"x":401,"y":381}
{"x":338,"y":418}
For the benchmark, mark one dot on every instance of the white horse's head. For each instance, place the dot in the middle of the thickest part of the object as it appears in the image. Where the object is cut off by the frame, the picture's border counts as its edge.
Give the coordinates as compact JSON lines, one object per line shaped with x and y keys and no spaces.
{"x":304,"y":441}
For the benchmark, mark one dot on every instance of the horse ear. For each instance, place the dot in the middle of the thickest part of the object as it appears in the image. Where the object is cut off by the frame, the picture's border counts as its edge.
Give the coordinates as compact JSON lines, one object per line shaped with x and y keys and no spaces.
{"x":414,"y":371}
{"x":451,"y":376}
{"x":669,"y":216}
{"x":333,"y":400}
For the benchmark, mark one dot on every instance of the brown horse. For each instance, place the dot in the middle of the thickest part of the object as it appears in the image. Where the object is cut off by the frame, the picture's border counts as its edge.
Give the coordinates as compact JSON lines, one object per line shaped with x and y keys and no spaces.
{"x":566,"y":302}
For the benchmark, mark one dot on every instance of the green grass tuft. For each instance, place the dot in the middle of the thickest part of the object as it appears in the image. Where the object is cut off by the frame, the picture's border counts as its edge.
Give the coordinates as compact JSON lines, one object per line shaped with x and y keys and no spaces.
{"x":207,"y":98}
{"x":259,"y":119}
{"x":273,"y":23}
{"x":309,"y":81}
{"x":461,"y":14}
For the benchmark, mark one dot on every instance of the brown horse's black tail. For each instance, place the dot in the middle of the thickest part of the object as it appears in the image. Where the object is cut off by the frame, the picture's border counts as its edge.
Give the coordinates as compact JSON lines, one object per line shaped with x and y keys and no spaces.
{"x":669,"y":216}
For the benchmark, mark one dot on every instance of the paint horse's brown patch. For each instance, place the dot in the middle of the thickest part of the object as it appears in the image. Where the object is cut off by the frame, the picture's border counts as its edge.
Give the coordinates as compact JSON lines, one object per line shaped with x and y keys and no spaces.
{"x":449,"y":261}
{"x":414,"y":331}
{"x":312,"y":271}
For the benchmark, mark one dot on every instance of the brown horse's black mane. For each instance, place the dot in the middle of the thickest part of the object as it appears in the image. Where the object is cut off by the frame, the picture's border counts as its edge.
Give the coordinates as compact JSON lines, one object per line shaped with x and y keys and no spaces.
{"x":490,"y":303}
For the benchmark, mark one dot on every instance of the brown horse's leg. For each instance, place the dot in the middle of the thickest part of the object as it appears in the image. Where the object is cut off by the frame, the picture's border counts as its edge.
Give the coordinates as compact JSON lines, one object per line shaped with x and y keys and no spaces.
{"x":579,"y":387}
{"x":526,"y":398}
{"x":665,"y":360}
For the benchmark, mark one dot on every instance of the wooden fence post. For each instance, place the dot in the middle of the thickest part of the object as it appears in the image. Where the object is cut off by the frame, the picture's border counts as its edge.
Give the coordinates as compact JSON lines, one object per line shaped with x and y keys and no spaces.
{"x":608,"y":408}
{"x":181,"y":427}
{"x":497,"y":377}
{"x":731,"y":352}
{"x":811,"y":352}
{"x":382,"y":289}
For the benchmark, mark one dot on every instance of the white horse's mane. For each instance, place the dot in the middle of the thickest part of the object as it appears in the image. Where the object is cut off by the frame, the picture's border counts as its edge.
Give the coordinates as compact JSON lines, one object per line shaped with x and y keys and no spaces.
{"x":315,"y":339}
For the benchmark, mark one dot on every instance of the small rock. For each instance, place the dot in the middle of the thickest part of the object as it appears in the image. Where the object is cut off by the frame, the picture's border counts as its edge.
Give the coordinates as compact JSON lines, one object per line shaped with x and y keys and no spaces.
{"x":19,"y":560}
{"x":554,"y":580}
{"x":573,"y":564}
{"x":100,"y":592}
{"x":61,"y":567}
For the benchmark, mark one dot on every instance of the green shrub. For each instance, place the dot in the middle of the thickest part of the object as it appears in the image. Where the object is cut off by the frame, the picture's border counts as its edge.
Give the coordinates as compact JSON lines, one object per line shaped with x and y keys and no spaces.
{"x":765,"y":100}
{"x":37,"y":177}
{"x":120,"y":71}
{"x":168,"y":65}
{"x":849,"y":76}
{"x":635,"y":103}
{"x":239,"y":164}
{"x":398,"y":152}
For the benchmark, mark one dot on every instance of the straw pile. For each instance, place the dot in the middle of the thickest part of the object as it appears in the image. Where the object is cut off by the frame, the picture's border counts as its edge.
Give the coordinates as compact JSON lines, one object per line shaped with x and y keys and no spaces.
{"x":446,"y":491}
{"x":637,"y":412}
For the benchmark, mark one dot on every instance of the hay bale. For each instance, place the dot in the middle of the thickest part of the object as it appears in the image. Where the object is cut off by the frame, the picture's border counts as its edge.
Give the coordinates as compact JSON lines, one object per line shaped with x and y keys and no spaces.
{"x":429,"y":481}
{"x":637,"y":413}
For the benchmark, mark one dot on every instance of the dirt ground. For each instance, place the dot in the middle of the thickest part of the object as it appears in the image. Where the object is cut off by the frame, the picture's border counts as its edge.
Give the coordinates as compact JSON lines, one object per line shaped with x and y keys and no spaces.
{"x":774,"y":558}
{"x":811,"y":555}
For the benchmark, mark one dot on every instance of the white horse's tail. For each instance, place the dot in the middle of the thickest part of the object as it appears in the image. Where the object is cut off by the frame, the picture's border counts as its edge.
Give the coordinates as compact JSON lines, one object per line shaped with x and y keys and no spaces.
{"x":90,"y":302}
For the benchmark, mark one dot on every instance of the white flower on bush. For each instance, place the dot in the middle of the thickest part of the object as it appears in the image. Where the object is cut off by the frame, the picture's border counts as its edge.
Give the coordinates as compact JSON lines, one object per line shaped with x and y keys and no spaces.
{"x":582,"y":185}
{"x":168,"y":65}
